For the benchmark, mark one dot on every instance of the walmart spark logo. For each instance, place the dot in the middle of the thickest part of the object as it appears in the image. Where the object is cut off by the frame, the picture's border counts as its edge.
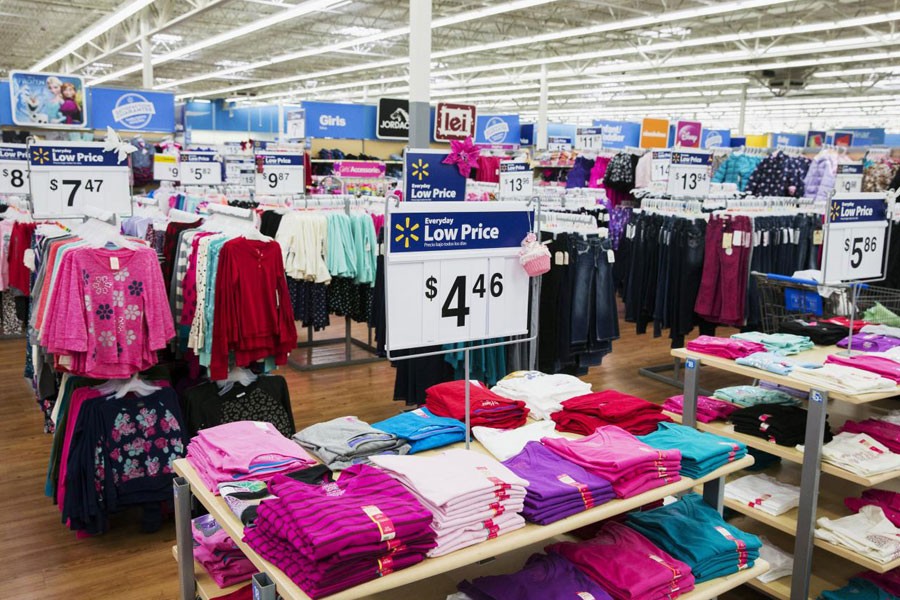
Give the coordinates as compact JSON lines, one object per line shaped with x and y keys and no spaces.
{"x":406,"y":231}
{"x":41,"y":156}
{"x":835,"y":211}
{"x":420,"y":169}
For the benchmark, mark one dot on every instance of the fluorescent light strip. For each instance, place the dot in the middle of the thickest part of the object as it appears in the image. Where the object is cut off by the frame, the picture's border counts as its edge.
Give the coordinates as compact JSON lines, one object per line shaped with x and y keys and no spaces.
{"x":99,"y":28}
{"x":299,"y":10}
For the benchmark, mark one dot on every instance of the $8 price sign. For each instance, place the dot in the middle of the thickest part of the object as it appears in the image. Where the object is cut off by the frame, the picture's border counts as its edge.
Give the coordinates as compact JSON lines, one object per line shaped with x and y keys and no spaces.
{"x":14,"y":178}
{"x":454,"y":305}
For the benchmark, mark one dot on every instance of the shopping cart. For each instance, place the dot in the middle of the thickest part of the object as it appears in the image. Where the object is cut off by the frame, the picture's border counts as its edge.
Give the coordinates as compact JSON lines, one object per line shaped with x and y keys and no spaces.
{"x":782,"y":297}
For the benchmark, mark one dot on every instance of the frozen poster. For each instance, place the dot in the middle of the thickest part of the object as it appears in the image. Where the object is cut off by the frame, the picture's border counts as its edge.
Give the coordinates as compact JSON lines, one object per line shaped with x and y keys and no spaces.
{"x":47,"y":100}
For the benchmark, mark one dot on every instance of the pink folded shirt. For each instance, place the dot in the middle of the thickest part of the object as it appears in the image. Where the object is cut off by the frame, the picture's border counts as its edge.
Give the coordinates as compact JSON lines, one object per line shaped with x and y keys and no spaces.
{"x":724,"y":347}
{"x":885,"y":367}
{"x":708,"y":409}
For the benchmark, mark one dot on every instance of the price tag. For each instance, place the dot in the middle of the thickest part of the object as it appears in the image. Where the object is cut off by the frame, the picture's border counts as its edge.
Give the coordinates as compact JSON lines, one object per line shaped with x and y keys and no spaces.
{"x":14,"y":169}
{"x":201,"y":168}
{"x":689,"y":174}
{"x":516,"y":180}
{"x":589,"y":138}
{"x":67,"y":176}
{"x":453,"y":272}
{"x":280,"y":174}
{"x":848,"y":179}
{"x":166,"y":167}
{"x":660,"y":162}
{"x":559,"y":144}
{"x":855,"y":236}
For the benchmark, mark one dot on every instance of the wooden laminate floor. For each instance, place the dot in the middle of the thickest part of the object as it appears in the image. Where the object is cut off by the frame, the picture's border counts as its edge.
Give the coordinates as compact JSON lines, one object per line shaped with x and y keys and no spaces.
{"x":44,"y":560}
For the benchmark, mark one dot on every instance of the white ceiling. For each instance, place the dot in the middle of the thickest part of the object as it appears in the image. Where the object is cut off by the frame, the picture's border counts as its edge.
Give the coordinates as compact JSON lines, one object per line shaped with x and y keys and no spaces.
{"x":627,"y":59}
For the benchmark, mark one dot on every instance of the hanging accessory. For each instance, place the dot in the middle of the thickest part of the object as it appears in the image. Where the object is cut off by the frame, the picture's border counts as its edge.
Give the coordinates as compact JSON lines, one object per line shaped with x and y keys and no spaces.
{"x":464,"y":154}
{"x":114,"y":143}
{"x":534,"y":256}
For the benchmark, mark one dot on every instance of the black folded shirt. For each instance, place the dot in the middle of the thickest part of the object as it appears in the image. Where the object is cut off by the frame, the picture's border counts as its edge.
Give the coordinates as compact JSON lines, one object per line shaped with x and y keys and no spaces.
{"x":784,"y":425}
{"x":820,"y":332}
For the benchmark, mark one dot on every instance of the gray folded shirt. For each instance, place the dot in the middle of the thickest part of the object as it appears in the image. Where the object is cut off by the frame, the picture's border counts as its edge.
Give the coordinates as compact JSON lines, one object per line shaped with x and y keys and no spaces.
{"x":347,"y":441}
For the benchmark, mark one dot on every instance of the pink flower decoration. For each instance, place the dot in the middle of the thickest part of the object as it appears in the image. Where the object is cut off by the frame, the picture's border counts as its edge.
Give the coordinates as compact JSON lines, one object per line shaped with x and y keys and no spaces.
{"x":464,"y":154}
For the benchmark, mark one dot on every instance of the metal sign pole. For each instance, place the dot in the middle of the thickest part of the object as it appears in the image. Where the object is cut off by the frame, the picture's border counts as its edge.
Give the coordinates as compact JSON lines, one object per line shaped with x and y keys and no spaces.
{"x":468,"y":398}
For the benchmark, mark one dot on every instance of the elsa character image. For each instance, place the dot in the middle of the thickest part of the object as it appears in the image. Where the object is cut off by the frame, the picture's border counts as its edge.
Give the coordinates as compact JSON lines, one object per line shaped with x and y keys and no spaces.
{"x":54,"y":101}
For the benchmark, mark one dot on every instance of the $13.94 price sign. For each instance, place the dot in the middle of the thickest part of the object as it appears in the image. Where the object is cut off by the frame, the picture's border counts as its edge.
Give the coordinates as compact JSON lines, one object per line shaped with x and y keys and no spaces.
{"x":855,"y":237}
{"x":516,"y":180}
{"x":848,"y":179}
{"x":14,"y":169}
{"x":689,"y":173}
{"x":67,"y":176}
{"x":201,"y":168}
{"x":453,"y":273}
{"x":279,"y":174}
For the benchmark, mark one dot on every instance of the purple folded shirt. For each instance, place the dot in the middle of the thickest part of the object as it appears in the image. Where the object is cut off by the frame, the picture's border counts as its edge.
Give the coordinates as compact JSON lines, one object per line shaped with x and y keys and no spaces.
{"x":544,"y":577}
{"x":870,"y":342}
{"x":885,"y":367}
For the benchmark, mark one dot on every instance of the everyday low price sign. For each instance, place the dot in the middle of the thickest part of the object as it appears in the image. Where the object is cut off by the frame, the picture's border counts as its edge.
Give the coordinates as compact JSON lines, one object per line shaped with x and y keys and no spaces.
{"x":849,"y":178}
{"x":430,"y":180}
{"x":855,"y":238}
{"x":516,"y":180}
{"x":279,"y":174}
{"x":689,"y":173}
{"x":201,"y":168}
{"x":14,"y":169}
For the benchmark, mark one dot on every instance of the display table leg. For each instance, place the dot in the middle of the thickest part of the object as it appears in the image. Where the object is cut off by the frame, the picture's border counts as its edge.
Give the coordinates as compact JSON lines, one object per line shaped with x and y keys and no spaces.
{"x":714,"y":493}
{"x":183,"y":539}
{"x":263,"y":587}
{"x":809,"y":493}
{"x":689,"y":410}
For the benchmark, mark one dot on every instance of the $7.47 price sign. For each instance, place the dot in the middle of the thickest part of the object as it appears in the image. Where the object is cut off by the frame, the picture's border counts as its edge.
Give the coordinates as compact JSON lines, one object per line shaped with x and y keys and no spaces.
{"x":516,"y":180}
{"x":689,"y":173}
{"x":14,"y":169}
{"x":66,"y":177}
{"x":279,"y":174}
{"x":855,"y":237}
{"x":453,"y":273}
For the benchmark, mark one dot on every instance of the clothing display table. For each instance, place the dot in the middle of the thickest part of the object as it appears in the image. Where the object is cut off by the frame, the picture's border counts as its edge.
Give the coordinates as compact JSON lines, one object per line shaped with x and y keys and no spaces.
{"x":270,"y":579}
{"x":799,"y":522}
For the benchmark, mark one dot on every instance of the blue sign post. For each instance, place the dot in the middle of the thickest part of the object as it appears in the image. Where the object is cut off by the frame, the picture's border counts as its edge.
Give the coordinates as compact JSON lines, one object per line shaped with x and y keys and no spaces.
{"x":427,"y":179}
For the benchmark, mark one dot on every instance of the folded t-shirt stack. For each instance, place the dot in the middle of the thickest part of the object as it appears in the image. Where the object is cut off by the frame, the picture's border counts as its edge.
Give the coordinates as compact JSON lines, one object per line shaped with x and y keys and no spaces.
{"x":764,"y":493}
{"x":842,"y":378}
{"x":884,"y":431}
{"x":334,"y":536}
{"x":506,"y":443}
{"x":885,"y":367}
{"x":584,"y":414}
{"x":861,"y":454}
{"x":724,"y":347}
{"x":753,"y":395}
{"x":779,"y":343}
{"x":346,"y":441}
{"x":888,"y":582}
{"x":701,"y":453}
{"x":708,"y":409}
{"x":694,"y":532}
{"x":542,"y":393}
{"x":822,"y":333}
{"x":423,"y":430}
{"x":487,"y":408}
{"x":858,"y":588}
{"x":888,"y":501}
{"x":244,"y":497}
{"x":784,"y":425}
{"x":868,"y":532}
{"x":243,"y":450}
{"x":870,"y":342}
{"x":630,"y":465}
{"x":544,"y":577}
{"x":773,"y":362}
{"x":628,"y":565}
{"x":218,"y":554}
{"x":471,"y":496}
{"x":557,"y":488}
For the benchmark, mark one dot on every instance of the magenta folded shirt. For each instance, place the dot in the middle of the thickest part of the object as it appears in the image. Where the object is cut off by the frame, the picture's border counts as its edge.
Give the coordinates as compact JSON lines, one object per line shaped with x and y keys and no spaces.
{"x":724,"y":347}
{"x":708,"y":409}
{"x":885,"y":367}
{"x":884,"y":431}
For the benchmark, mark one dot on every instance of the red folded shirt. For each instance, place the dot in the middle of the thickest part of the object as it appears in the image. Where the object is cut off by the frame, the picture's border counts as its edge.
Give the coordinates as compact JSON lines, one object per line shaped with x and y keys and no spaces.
{"x":487,"y":408}
{"x":583,"y":414}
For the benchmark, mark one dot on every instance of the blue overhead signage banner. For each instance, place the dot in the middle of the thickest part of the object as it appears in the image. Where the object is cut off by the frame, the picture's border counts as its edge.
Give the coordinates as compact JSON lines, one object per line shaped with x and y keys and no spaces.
{"x":619,"y":134}
{"x":562,"y":130}
{"x":132,"y":110}
{"x":857,"y":211}
{"x":497,"y":129}
{"x":867,"y":137}
{"x":475,"y":230}
{"x":66,"y":156}
{"x":794,"y":140}
{"x":430,"y":180}
{"x":346,"y":121}
{"x":526,"y":134}
{"x":715,"y":138}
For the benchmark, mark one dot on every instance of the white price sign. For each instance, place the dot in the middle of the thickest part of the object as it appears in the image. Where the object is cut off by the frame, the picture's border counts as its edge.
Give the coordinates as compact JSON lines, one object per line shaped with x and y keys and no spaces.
{"x":849,"y":178}
{"x":279,"y":174}
{"x":855,"y":237}
{"x":201,"y":168}
{"x":516,"y":180}
{"x":559,"y":144}
{"x":166,"y":167}
{"x":689,"y":173}
{"x":14,"y":169}
{"x":589,"y":138}
{"x":67,"y":176}
{"x":453,"y":272}
{"x":661,"y":160}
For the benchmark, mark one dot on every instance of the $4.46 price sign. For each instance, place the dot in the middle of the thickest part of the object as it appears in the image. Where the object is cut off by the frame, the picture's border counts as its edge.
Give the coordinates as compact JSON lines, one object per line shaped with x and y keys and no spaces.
{"x":279,"y":174}
{"x":14,"y":169}
{"x":67,"y":176}
{"x":849,"y":178}
{"x":855,"y":237}
{"x":689,"y":173}
{"x":516,"y":180}
{"x":201,"y":168}
{"x":453,"y":273}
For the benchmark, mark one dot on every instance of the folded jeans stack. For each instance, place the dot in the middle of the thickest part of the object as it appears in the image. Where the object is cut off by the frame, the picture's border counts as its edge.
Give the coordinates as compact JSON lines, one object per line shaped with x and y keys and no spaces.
{"x":708,"y":409}
{"x":701,"y":453}
{"x":764,"y":493}
{"x":346,"y":441}
{"x":423,"y":430}
{"x":557,"y":488}
{"x":471,"y":496}
{"x":334,"y":536}
{"x":631,"y":466}
{"x":868,"y":532}
{"x":487,"y":408}
{"x":784,"y":425}
{"x":542,"y":393}
{"x":218,"y":554}
{"x":584,"y":414}
{"x":861,"y":454}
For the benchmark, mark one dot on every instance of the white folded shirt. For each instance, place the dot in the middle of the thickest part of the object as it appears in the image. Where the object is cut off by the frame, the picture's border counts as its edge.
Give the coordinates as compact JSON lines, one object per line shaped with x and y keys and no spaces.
{"x":860,"y":453}
{"x":887,"y":330}
{"x":781,"y":563}
{"x":506,"y":443}
{"x":543,"y":394}
{"x":868,"y":532}
{"x":845,"y":379}
{"x":764,"y":493}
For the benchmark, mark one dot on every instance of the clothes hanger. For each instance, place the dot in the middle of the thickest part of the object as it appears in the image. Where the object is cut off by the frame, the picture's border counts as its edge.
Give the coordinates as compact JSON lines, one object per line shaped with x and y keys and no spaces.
{"x":123,"y":387}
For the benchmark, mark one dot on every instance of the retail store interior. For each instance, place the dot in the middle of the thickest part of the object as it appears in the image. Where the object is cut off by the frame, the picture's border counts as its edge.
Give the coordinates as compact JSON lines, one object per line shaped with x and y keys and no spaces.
{"x":450,"y":299}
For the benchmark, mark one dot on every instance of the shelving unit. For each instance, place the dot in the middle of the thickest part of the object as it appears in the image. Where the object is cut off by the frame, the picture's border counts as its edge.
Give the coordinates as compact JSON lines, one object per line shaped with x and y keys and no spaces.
{"x":800,"y":522}
{"x":188,"y":486}
{"x":207,"y":589}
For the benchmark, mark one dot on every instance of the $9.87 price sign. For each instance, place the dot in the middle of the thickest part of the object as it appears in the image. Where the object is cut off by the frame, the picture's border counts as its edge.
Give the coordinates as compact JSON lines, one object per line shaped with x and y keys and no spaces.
{"x":453,"y":274}
{"x":13,"y":169}
{"x":279,"y":174}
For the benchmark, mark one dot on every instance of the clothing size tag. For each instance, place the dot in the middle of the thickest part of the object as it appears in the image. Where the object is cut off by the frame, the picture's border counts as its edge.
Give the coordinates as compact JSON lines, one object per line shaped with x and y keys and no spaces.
{"x":114,"y":263}
{"x":818,"y":237}
{"x":558,"y":258}
{"x":738,"y":239}
{"x":610,"y":256}
{"x":727,"y":240}
{"x":382,"y":521}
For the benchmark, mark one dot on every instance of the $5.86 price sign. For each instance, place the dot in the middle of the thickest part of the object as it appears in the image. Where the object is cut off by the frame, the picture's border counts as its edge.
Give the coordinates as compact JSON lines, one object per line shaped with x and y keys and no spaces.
{"x":279,"y":174}
{"x":201,"y":168}
{"x":855,"y":237}
{"x":689,"y":173}
{"x":453,"y":274}
{"x":14,"y":169}
{"x":516,"y":180}
{"x":66,"y":177}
